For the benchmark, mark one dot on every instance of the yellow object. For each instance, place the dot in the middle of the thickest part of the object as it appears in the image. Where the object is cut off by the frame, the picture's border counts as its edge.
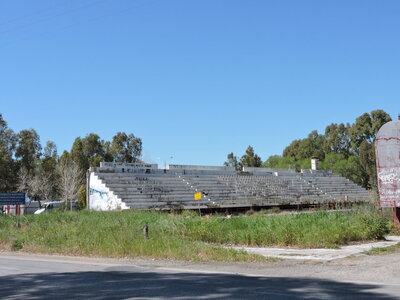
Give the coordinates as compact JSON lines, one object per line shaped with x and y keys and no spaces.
{"x":197,"y":196}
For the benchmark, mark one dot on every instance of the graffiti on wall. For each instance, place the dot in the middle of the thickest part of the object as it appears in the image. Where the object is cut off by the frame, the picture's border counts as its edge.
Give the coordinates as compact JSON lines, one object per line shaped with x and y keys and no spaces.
{"x":387,"y":147}
{"x":101,"y":198}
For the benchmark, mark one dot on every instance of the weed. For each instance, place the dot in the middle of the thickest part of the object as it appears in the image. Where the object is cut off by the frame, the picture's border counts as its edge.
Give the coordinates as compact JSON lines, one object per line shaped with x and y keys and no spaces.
{"x":17,"y":245}
{"x":185,"y":236}
{"x":385,"y":250}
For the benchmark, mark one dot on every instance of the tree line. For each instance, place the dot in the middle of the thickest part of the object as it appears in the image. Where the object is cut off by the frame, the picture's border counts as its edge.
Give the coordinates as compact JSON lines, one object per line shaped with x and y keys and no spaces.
{"x":27,"y":166}
{"x":346,"y":149}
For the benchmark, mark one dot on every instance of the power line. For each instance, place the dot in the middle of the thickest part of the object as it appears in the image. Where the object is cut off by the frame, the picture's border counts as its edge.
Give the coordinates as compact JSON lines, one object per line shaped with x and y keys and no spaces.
{"x":54,"y":16}
{"x":122,"y":11}
{"x":37,"y":12}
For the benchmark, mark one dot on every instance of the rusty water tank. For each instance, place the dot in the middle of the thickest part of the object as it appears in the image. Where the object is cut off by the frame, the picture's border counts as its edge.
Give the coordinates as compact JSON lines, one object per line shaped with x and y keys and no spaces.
{"x":387,"y":148}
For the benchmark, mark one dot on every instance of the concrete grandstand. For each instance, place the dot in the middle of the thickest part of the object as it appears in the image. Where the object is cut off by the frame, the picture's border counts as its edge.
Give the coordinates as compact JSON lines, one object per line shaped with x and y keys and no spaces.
{"x":117,"y":186}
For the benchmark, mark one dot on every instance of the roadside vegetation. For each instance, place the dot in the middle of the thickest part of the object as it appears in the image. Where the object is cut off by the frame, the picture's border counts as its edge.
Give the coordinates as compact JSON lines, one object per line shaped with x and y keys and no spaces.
{"x":184,"y":236}
{"x":382,"y":251}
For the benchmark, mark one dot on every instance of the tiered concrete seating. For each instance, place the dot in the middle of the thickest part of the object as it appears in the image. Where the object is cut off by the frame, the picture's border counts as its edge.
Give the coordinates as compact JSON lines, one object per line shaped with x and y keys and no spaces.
{"x":148,"y":191}
{"x":338,"y":187}
{"x":283,"y":190}
{"x":146,"y":187}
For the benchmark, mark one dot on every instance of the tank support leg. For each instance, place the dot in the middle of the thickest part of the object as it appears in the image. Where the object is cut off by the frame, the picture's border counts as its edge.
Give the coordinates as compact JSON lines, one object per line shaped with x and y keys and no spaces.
{"x":396,"y":216}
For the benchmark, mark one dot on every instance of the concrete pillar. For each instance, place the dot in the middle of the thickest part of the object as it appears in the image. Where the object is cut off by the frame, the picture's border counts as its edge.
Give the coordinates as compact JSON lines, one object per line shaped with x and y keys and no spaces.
{"x":314,"y":163}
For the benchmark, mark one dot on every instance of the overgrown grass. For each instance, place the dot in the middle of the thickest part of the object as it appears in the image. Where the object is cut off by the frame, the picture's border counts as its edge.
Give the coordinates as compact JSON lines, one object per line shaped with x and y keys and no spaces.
{"x":307,"y":230}
{"x":186,"y":236}
{"x":113,"y":234}
{"x":385,"y":250}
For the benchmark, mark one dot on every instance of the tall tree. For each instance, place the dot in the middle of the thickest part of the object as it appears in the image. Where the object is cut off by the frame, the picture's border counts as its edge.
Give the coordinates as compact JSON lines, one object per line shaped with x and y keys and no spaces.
{"x":367,"y":165}
{"x":8,"y":176}
{"x":250,"y":159}
{"x":277,"y":161}
{"x":345,"y":149}
{"x":50,"y":157}
{"x":348,"y":167}
{"x":78,"y":155}
{"x":126,"y":148}
{"x":378,"y":118}
{"x":88,"y":151}
{"x":293,"y":150}
{"x":337,"y":139}
{"x":28,"y":149}
{"x":366,"y":127}
{"x":93,"y":149}
{"x":306,"y":148}
{"x":48,"y":171}
{"x":363,"y":133}
{"x":108,"y":153}
{"x":232,"y":161}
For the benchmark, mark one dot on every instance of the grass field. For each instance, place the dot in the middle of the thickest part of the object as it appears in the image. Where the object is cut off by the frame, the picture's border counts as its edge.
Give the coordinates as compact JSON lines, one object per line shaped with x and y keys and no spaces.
{"x":183,"y":236}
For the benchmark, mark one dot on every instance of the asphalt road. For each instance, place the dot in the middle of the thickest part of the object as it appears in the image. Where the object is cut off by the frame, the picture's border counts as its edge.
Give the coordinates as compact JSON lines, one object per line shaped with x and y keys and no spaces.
{"x":25,"y":276}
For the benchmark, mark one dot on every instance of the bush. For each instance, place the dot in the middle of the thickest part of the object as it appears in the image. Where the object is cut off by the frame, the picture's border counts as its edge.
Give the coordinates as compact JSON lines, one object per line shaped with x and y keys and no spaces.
{"x":82,"y":196}
{"x":17,"y":245}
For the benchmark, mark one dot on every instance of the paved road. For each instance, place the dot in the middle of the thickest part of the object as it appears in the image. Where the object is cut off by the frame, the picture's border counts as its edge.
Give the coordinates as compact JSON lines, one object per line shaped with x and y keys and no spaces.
{"x":321,"y":254}
{"x":25,"y":276}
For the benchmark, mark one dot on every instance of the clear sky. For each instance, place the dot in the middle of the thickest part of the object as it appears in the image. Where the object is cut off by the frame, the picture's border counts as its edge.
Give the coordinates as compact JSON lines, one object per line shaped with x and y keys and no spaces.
{"x":196,"y":79}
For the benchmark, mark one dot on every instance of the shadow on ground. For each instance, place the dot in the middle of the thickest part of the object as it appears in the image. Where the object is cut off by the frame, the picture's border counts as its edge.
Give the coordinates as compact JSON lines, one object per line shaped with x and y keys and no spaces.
{"x":118,"y":285}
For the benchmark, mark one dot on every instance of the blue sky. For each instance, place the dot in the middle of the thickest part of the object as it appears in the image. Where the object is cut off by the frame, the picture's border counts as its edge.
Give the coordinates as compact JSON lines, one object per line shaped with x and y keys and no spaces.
{"x":196,"y":79}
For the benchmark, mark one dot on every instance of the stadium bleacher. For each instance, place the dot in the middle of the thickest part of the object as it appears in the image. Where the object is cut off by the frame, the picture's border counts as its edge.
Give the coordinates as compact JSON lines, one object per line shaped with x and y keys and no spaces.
{"x":145,"y":186}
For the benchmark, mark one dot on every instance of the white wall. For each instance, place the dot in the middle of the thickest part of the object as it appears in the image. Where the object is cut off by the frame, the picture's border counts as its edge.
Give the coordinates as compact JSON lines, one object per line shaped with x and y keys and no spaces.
{"x":101,"y":198}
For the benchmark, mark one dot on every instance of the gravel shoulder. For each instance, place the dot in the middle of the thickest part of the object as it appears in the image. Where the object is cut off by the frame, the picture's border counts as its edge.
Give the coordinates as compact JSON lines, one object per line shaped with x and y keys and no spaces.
{"x":382,"y":268}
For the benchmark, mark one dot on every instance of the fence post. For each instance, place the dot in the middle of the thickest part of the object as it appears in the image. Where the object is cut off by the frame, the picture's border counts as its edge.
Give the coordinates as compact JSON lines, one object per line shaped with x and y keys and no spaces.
{"x":146,"y":231}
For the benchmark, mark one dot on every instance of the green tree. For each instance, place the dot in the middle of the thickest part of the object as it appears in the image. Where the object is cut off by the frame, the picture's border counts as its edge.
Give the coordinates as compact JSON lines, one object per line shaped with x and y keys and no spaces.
{"x":366,"y":127}
{"x":50,"y":158}
{"x":232,"y":161}
{"x":28,"y":149}
{"x":82,"y":196}
{"x":348,"y":167}
{"x":126,"y":148}
{"x":65,"y":157}
{"x":378,"y":118}
{"x":306,"y":148}
{"x":250,"y":159}
{"x":367,"y":165}
{"x":87,"y":152}
{"x":48,"y":171}
{"x":108,"y":154}
{"x":363,"y":133}
{"x":78,"y":155}
{"x":8,"y":171}
{"x":93,"y":149}
{"x":337,"y":139}
{"x":280,"y":162}
{"x":345,"y":149}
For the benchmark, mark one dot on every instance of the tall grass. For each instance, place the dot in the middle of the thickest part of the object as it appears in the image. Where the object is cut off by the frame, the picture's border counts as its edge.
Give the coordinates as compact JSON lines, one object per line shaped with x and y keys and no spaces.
{"x":114,"y":234}
{"x":319,"y":229}
{"x":187,"y":237}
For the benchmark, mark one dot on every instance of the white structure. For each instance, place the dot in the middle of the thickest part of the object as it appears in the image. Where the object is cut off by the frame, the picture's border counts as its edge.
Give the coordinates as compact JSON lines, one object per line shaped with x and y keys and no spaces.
{"x":314,"y":163}
{"x":101,"y":197}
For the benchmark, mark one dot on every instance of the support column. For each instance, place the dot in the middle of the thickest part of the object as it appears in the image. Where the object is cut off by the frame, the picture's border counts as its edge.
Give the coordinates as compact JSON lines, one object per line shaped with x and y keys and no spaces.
{"x":88,"y":189}
{"x":396,"y":216}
